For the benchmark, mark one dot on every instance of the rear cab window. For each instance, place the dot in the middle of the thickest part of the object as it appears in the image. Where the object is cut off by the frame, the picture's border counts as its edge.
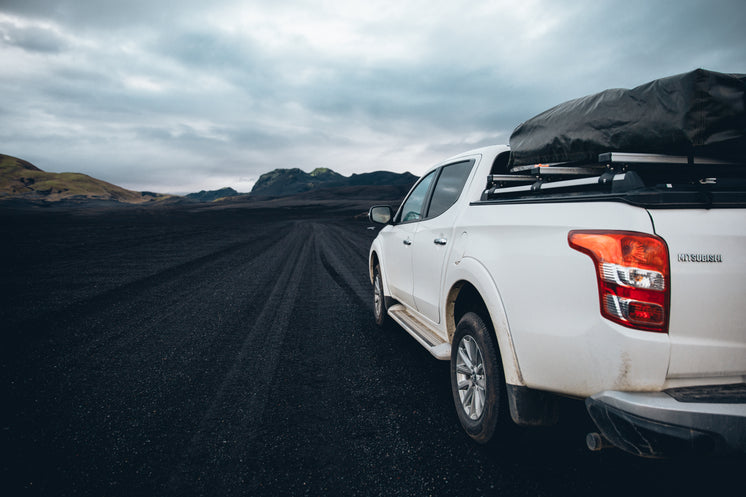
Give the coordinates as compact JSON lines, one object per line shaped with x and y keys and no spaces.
{"x":447,"y":190}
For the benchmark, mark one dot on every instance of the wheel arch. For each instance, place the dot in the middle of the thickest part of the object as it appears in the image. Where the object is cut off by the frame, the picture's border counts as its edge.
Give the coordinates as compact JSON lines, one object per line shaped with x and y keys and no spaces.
{"x":473,"y":290}
{"x":373,"y":261}
{"x":375,"y":256}
{"x":463,"y":298}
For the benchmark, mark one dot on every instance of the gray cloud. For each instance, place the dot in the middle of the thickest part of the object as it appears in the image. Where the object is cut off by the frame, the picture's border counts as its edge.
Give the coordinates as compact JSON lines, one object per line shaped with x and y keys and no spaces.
{"x":34,"y":39}
{"x":179,"y":96}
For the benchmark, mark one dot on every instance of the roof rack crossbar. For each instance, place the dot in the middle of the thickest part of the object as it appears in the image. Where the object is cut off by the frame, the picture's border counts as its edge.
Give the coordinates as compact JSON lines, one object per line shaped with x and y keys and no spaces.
{"x":618,"y":158}
{"x":510,"y":178}
{"x":636,"y":158}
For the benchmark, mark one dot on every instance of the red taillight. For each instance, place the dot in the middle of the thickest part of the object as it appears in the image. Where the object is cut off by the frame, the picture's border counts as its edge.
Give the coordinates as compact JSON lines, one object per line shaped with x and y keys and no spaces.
{"x":633,"y":276}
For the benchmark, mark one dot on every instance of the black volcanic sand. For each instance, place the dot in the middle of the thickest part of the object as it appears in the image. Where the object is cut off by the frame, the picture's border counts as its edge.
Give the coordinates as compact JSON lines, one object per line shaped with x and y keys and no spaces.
{"x":195,"y":350}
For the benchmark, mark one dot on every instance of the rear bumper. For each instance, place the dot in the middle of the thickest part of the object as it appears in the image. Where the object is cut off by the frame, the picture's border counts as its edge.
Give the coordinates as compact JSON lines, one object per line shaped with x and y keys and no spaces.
{"x":654,"y":424}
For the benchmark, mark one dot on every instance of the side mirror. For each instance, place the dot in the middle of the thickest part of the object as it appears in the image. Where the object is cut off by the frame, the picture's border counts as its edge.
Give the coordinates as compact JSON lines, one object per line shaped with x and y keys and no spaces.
{"x":380,"y":214}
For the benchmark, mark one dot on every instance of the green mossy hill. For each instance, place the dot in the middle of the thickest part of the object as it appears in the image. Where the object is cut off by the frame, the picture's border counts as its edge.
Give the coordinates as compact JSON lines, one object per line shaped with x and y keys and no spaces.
{"x":326,"y":174}
{"x":21,"y":179}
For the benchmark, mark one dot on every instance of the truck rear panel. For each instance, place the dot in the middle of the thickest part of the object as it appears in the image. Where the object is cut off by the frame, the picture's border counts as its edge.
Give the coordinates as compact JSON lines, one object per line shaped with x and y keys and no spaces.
{"x":707,"y":329}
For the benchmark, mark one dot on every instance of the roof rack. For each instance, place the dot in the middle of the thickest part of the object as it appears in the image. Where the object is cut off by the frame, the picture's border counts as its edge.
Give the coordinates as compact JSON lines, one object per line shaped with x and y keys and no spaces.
{"x":520,"y":184}
{"x":541,"y":174}
{"x":534,"y":177}
{"x":614,"y":171}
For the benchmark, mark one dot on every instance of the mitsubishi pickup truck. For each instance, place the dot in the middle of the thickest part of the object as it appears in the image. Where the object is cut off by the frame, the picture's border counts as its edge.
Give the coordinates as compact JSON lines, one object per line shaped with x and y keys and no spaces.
{"x":601,"y":256}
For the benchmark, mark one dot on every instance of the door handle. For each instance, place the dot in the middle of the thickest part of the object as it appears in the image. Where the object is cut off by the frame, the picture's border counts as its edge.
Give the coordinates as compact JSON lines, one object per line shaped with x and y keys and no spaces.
{"x":407,"y":242}
{"x":440,"y":241}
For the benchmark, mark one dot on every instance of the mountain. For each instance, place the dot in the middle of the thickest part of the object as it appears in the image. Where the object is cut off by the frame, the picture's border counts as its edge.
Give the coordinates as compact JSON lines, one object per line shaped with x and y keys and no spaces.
{"x":212,"y":195}
{"x":21,"y":179}
{"x":383,"y":178}
{"x":284,"y":182}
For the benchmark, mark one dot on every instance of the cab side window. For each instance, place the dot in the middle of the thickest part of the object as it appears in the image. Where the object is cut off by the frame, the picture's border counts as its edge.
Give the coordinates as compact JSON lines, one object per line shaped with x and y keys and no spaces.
{"x":448,"y":188}
{"x":412,"y":210}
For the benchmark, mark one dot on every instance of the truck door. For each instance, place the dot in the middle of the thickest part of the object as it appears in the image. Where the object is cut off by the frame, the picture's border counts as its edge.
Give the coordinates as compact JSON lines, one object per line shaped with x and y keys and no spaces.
{"x":433,"y":239}
{"x":398,"y":242}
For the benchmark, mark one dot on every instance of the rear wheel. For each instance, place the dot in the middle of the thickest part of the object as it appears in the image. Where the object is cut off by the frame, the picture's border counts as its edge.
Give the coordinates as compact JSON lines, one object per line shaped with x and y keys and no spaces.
{"x":477,"y":380}
{"x":379,"y":299}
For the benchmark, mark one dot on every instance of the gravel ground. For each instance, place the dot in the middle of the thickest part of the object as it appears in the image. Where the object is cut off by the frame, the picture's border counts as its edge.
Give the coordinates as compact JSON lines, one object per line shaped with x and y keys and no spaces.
{"x":203,"y":351}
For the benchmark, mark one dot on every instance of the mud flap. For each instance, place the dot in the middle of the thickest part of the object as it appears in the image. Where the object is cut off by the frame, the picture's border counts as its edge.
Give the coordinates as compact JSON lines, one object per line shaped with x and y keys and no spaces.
{"x":529,"y":407}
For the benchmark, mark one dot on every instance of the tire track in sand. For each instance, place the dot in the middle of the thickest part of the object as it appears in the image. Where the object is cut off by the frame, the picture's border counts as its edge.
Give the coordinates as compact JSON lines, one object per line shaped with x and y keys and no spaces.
{"x":337,"y":258}
{"x":239,"y":402}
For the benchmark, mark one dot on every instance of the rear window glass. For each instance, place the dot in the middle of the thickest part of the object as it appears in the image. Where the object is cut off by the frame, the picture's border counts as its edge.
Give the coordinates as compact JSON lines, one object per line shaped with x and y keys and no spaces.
{"x":448,"y":188}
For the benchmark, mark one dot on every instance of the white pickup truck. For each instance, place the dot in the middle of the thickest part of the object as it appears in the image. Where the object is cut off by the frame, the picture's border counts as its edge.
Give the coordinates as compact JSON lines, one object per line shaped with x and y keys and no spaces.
{"x":620,"y":280}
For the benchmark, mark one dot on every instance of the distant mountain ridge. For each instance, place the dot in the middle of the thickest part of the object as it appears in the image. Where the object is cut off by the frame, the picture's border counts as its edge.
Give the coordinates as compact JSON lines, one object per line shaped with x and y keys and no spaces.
{"x":284,"y":182}
{"x":21,"y":179}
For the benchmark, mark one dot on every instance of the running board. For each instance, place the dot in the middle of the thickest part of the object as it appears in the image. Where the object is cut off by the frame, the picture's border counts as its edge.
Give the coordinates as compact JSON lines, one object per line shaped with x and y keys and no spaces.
{"x":421,"y":332}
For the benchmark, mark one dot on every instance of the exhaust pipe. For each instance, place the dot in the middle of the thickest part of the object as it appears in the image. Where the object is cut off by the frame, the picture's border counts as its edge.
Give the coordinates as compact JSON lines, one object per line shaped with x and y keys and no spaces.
{"x":596,"y":442}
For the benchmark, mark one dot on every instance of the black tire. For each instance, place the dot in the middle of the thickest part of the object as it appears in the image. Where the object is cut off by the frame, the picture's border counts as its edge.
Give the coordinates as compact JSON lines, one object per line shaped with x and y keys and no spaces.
{"x":380,"y":309}
{"x":481,"y":402}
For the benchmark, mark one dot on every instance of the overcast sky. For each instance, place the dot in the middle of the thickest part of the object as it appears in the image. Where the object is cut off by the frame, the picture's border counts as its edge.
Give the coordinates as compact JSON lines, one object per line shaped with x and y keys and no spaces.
{"x":182,"y":95}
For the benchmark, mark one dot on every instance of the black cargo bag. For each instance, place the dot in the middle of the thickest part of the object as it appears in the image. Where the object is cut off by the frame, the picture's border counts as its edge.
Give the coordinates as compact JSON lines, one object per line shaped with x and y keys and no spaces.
{"x":700,"y":113}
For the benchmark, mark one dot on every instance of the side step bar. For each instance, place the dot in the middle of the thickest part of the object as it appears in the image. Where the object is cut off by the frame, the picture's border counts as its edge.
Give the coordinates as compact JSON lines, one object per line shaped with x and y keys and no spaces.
{"x":421,"y":332}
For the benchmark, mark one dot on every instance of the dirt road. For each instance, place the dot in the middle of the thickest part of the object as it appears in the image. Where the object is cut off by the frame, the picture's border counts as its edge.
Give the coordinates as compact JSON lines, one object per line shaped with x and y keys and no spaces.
{"x":189,"y":351}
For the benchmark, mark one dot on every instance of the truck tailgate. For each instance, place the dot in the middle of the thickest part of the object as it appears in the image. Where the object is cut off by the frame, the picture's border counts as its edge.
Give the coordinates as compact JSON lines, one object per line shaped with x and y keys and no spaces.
{"x":707,"y":250}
